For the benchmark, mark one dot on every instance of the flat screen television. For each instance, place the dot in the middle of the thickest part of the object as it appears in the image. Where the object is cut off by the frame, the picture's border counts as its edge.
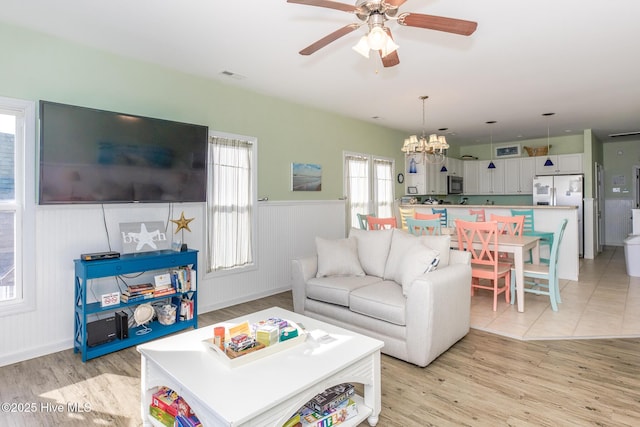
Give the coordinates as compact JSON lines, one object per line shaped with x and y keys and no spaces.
{"x":94,"y":156}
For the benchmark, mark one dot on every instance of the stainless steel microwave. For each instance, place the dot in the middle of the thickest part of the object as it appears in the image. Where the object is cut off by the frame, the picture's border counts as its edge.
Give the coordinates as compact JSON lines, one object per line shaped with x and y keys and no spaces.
{"x":454,"y":184}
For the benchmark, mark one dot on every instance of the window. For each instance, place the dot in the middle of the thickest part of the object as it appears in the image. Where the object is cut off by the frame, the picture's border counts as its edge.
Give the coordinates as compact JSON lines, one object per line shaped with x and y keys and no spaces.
{"x":17,"y":154}
{"x":369,"y":186}
{"x":231,"y":202}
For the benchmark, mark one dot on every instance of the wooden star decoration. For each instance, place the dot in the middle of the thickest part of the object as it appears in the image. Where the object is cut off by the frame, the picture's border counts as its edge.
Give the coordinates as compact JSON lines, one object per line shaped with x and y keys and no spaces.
{"x":182,"y":223}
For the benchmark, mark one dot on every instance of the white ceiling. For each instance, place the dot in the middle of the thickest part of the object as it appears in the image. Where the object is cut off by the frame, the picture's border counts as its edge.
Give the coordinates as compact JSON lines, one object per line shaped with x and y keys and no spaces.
{"x":577,"y":58}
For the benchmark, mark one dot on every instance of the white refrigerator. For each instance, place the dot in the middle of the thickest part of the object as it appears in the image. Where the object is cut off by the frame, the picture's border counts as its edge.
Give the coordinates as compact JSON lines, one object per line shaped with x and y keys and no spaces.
{"x":562,"y":190}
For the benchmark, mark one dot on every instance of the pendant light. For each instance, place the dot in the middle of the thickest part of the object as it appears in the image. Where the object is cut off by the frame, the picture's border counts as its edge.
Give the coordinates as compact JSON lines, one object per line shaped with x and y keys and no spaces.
{"x":548,"y":162}
{"x":491,"y":164}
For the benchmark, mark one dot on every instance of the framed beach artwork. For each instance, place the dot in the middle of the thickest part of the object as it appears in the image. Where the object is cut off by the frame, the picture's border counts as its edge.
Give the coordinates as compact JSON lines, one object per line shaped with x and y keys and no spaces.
{"x":306,"y":177}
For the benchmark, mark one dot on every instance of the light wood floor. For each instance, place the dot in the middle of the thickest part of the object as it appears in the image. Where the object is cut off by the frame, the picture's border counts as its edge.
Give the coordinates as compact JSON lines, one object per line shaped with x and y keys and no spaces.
{"x":483,"y":380}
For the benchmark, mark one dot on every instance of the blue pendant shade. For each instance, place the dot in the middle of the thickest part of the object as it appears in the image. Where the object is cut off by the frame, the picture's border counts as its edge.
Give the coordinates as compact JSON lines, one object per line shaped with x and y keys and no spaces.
{"x":548,"y":162}
{"x":443,"y":169}
{"x":491,"y":165}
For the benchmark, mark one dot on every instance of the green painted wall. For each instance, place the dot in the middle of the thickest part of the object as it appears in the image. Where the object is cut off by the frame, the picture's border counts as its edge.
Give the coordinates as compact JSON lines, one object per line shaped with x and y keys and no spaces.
{"x":559,"y":145}
{"x":36,"y":66}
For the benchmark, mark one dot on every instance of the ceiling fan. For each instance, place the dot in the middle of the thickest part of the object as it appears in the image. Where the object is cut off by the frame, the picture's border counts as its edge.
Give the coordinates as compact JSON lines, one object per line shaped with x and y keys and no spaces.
{"x":375,"y":13}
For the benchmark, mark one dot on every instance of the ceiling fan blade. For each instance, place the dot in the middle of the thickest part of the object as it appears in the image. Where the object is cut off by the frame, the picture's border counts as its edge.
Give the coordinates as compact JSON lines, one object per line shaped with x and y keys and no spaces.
{"x":391,"y":59}
{"x":326,"y":3}
{"x":439,"y":23}
{"x":328,"y":39}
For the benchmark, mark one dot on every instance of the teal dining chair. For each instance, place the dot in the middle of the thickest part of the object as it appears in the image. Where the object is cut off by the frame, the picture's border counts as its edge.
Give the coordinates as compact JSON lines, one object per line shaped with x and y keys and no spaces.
{"x":443,"y":215}
{"x":424,"y":227}
{"x":463,"y":217}
{"x":535,"y":273}
{"x":546,"y":237}
{"x":362,"y":220}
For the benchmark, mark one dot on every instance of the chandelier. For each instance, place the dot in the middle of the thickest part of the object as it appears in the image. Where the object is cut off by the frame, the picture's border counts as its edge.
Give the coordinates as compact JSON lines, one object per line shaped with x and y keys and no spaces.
{"x":434,"y":147}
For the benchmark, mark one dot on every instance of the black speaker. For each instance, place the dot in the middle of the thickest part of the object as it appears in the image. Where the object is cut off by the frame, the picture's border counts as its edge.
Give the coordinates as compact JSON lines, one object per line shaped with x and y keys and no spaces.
{"x":122,"y":325}
{"x":101,"y":331}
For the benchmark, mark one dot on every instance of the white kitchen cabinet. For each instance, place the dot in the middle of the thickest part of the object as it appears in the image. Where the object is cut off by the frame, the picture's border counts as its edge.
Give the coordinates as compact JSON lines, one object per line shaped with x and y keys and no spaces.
{"x":519,"y":173}
{"x":491,"y":181}
{"x":470,"y":168}
{"x":562,"y":164}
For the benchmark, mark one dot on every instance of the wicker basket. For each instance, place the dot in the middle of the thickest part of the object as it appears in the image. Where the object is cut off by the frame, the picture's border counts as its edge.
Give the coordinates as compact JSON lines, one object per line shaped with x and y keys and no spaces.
{"x":537,"y":151}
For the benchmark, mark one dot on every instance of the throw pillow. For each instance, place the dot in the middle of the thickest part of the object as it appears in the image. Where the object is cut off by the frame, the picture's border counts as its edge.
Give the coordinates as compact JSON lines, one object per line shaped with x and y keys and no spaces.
{"x":415,"y":262}
{"x":338,"y":257}
{"x":373,"y":249}
{"x":442,"y":244}
{"x":401,"y":243}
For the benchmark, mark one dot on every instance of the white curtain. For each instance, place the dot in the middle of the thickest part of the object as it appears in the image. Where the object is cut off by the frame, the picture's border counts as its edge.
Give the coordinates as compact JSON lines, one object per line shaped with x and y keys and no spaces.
{"x":356,"y":170}
{"x":383,"y":194}
{"x":229,"y":204}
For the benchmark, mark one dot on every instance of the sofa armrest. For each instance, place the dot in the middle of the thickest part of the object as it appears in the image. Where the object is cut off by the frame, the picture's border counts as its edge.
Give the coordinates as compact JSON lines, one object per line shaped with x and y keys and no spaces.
{"x":438,"y":311}
{"x":302,"y":269}
{"x":459,"y":257}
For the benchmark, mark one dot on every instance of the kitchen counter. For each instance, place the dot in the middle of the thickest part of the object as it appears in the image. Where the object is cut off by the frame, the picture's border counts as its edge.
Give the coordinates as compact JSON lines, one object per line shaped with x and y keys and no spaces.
{"x":546,"y":218}
{"x":444,"y":205}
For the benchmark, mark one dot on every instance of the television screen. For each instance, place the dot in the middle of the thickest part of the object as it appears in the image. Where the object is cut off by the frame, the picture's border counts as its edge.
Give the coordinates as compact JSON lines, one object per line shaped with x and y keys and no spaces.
{"x":95,"y":156}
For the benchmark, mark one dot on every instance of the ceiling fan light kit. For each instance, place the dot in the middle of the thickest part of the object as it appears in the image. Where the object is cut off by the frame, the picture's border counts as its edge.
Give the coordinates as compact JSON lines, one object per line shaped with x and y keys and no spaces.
{"x":375,"y":13}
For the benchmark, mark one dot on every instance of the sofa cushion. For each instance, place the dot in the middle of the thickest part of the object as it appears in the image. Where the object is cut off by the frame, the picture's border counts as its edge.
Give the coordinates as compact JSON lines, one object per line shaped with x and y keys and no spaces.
{"x":336,"y":289}
{"x":415,"y":263}
{"x":373,"y":249}
{"x":338,"y":257}
{"x":382,"y":300}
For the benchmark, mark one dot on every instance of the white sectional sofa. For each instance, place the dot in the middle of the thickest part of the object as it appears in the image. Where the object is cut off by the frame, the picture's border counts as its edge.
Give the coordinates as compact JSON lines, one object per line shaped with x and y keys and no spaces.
{"x":374,"y":283}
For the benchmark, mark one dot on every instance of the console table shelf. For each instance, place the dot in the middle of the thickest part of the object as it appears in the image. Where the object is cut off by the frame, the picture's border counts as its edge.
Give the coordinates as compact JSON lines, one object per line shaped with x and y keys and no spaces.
{"x":85,"y":271}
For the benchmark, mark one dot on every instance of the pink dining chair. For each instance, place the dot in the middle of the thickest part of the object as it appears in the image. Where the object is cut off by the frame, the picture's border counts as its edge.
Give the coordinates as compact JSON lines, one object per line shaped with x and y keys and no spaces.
{"x":510,"y":225}
{"x":479,"y":213}
{"x":381,"y":223}
{"x":480,"y":239}
{"x":419,"y":215}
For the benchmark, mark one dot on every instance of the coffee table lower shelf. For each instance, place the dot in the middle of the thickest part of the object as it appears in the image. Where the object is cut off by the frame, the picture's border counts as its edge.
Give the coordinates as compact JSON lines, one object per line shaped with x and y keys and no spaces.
{"x":363,"y":413}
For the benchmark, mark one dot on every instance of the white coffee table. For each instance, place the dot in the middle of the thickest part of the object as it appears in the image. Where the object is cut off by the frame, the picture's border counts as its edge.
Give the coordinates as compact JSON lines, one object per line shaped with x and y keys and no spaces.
{"x":267,"y":391}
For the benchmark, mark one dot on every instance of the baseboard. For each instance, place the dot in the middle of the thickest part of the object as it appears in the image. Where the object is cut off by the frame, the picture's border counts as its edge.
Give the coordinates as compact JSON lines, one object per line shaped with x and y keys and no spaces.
{"x":21,"y":356}
{"x":242,"y":299}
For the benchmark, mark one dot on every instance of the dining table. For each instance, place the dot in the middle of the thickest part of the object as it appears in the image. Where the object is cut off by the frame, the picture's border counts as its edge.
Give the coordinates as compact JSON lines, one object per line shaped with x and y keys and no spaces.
{"x":518,"y":246}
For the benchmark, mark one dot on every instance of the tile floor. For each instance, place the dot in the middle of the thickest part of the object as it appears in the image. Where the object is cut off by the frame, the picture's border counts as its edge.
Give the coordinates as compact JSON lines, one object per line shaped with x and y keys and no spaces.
{"x":605,"y":302}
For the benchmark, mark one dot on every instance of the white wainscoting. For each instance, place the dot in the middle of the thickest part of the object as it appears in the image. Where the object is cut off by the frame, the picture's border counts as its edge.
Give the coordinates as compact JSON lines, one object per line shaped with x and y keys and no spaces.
{"x":286,"y":230}
{"x":617,"y":214}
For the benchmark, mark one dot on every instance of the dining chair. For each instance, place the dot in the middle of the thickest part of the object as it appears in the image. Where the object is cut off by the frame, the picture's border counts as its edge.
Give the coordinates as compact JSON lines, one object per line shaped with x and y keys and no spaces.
{"x":381,"y":223}
{"x":424,"y":227}
{"x":534,"y":273}
{"x":510,"y":225}
{"x":443,"y":215}
{"x":480,"y":215}
{"x":480,"y":239}
{"x":463,"y":217}
{"x":546,"y":237}
{"x":420,"y":215}
{"x":404,"y":214}
{"x":362,"y":220}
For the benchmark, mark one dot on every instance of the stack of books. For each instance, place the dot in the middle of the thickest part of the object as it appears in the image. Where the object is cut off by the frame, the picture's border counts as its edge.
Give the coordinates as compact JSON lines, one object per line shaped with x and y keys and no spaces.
{"x":186,"y":309}
{"x":171,"y":409}
{"x":138,"y":292}
{"x":329,"y":408}
{"x":181,"y":279}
